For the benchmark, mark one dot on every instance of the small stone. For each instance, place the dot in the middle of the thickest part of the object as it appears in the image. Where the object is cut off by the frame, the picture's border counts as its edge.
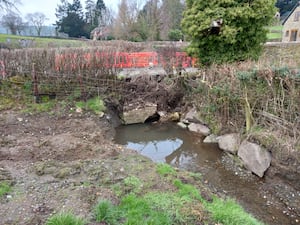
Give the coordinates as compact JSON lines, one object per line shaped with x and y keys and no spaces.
{"x":182,"y":125}
{"x":79,"y":110}
{"x":8,"y":196}
{"x":20,"y":119}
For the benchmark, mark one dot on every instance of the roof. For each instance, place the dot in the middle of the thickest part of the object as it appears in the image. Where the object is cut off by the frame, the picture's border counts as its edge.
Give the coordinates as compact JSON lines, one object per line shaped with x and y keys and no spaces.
{"x":291,"y":12}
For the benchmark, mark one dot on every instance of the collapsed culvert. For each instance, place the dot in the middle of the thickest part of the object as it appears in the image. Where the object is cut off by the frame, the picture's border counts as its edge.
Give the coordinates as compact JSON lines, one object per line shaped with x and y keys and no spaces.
{"x":144,"y":96}
{"x":154,"y":118}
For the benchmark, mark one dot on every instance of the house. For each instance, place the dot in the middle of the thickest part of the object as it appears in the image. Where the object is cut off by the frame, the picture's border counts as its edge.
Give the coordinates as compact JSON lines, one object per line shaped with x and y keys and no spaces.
{"x":291,"y":25}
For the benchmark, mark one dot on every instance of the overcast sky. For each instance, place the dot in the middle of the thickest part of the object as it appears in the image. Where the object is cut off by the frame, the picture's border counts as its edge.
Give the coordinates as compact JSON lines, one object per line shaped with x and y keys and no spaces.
{"x":48,"y":7}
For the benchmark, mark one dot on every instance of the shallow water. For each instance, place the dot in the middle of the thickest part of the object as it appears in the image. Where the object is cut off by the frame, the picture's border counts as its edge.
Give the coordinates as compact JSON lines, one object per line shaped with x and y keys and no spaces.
{"x":173,"y":145}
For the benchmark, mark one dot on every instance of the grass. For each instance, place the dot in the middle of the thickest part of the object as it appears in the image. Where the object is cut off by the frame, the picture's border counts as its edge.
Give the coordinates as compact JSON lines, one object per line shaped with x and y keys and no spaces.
{"x":40,"y":107}
{"x":153,"y":208}
{"x":274,"y":35}
{"x":230,"y":213}
{"x":275,"y":32}
{"x":4,"y":188}
{"x":184,"y":206}
{"x":226,"y":212}
{"x":133,"y":184}
{"x":106,"y":211}
{"x":41,"y":42}
{"x":65,"y":218}
{"x":165,"y":169}
{"x":95,"y":105}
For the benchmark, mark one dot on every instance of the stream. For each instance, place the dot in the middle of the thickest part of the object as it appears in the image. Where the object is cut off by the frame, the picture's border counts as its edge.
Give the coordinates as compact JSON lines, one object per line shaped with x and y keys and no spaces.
{"x":180,"y":148}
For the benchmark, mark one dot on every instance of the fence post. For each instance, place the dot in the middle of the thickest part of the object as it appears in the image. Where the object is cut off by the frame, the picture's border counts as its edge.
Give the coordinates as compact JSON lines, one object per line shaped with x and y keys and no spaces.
{"x":35,"y":84}
{"x":82,"y":89}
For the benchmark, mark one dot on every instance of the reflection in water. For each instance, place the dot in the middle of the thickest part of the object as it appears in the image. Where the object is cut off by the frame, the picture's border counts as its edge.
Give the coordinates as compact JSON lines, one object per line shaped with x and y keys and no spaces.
{"x":156,"y":150}
{"x":178,"y":147}
{"x":168,"y":143}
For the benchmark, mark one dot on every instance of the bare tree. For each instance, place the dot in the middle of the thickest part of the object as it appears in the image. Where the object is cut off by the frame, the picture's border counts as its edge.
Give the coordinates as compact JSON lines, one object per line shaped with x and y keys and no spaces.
{"x":171,"y":16}
{"x":37,"y":20}
{"x":13,"y":22}
{"x":8,"y":5}
{"x":126,"y":19}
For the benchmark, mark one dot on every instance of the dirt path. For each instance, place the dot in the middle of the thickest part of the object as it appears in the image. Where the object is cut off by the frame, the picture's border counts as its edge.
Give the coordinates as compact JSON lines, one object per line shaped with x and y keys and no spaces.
{"x":54,"y":163}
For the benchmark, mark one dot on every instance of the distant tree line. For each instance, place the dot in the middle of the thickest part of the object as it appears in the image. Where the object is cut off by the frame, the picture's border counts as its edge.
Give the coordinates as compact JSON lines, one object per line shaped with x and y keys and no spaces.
{"x":135,"y":20}
{"x":153,"y":20}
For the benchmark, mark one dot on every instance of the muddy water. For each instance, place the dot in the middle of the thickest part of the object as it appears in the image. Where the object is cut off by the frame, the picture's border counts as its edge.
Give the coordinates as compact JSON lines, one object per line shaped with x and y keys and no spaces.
{"x":180,"y":148}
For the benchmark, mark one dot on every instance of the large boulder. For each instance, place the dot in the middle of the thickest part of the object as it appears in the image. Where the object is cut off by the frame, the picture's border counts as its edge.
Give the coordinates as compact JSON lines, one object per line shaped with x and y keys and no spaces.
{"x":254,"y":157}
{"x":229,"y":142}
{"x":138,"y":113}
{"x":199,"y":128}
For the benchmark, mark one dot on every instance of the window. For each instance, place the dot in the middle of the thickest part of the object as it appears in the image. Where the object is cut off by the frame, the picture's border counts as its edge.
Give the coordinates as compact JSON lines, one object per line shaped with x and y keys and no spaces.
{"x":287,"y":33}
{"x":297,"y":16}
{"x":293,"y":35}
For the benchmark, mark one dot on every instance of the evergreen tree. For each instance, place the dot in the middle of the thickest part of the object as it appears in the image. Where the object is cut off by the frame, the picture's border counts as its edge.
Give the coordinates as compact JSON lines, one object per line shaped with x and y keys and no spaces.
{"x":227,"y":30}
{"x":99,"y":11}
{"x":71,"y":19}
{"x":90,"y":12}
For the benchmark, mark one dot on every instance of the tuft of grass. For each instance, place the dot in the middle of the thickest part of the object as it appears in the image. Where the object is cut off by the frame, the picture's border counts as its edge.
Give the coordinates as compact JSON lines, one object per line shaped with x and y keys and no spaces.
{"x":165,"y":169}
{"x":95,"y":105}
{"x":65,"y":218}
{"x":4,"y":188}
{"x":153,"y":208}
{"x":105,"y":211}
{"x":228,"y":212}
{"x":133,"y":184}
{"x":137,"y":209}
{"x":40,"y":107}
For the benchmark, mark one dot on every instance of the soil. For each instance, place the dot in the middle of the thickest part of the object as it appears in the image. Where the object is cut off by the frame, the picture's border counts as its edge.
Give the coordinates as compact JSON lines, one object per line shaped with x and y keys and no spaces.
{"x":45,"y":157}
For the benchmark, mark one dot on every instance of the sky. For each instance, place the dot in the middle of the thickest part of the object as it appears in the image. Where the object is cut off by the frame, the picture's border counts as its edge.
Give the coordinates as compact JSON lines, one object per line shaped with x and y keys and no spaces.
{"x":48,"y":7}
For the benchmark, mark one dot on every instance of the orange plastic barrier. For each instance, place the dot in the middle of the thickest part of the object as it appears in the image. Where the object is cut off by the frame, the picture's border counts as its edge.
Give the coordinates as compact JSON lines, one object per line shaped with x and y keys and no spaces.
{"x":71,"y":62}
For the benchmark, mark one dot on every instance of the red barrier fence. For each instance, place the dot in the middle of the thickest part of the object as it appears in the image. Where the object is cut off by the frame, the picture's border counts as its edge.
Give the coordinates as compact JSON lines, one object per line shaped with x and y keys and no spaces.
{"x":120,"y":60}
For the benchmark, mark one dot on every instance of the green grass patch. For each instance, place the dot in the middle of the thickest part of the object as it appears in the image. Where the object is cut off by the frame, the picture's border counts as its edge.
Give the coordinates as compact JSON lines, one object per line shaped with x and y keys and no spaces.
{"x":41,"y":42}
{"x":152,"y":208}
{"x":105,"y":211}
{"x":274,"y":35}
{"x":133,"y":184}
{"x":40,"y":107}
{"x":276,"y":28}
{"x":95,"y":105}
{"x":165,"y":169}
{"x":228,"y":212}
{"x":65,"y":218}
{"x":4,"y":188}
